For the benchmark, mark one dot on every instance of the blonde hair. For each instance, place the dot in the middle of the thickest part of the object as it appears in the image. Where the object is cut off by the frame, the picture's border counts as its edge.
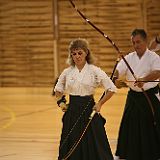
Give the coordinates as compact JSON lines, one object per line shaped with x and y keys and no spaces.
{"x":79,"y":43}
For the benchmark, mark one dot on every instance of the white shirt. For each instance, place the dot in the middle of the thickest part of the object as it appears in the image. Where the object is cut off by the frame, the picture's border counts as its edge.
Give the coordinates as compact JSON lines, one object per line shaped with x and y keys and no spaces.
{"x":85,"y":82}
{"x":141,"y":67}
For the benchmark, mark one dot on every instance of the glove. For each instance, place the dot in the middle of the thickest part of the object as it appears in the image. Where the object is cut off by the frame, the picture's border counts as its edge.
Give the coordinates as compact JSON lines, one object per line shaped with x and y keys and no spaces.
{"x":63,"y":106}
{"x":61,"y":101}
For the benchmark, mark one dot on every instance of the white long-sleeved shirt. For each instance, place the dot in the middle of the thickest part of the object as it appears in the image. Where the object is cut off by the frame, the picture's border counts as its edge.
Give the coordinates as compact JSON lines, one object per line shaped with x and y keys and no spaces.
{"x":83,"y":83}
{"x":149,"y":62}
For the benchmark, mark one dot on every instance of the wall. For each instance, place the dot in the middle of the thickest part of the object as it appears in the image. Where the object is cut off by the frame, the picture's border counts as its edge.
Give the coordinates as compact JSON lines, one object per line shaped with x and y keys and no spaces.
{"x":27,"y":33}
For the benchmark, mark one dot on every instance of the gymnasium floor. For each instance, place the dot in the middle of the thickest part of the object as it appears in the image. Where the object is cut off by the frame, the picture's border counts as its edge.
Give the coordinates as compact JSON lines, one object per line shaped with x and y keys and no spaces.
{"x":30,"y":122}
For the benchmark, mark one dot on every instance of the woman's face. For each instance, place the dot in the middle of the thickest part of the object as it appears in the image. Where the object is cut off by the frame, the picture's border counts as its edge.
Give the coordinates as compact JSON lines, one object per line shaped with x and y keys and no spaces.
{"x":79,"y":57}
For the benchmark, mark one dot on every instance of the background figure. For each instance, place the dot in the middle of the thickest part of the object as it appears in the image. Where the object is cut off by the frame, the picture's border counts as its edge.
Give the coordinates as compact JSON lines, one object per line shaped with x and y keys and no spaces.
{"x":155,"y":44}
{"x":139,"y":133}
{"x":80,"y":81}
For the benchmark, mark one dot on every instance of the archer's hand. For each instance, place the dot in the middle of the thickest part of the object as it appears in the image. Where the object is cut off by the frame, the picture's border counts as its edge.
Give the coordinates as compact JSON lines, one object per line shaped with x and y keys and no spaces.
{"x":138,"y":83}
{"x":120,"y":83}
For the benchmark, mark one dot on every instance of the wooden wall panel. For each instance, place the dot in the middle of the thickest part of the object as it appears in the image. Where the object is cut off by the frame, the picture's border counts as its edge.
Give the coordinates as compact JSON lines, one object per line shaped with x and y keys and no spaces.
{"x":115,"y":18}
{"x":27,"y":34}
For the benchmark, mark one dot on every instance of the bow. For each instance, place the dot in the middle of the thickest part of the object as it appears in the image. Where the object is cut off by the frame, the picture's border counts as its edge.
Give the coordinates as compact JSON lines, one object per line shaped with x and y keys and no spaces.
{"x":71,"y":130}
{"x":119,"y":53}
{"x":74,"y":146}
{"x":117,"y":49}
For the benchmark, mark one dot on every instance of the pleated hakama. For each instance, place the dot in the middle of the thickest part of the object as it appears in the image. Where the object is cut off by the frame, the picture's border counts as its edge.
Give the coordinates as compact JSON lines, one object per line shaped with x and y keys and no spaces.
{"x":139,"y":134}
{"x":94,"y":144}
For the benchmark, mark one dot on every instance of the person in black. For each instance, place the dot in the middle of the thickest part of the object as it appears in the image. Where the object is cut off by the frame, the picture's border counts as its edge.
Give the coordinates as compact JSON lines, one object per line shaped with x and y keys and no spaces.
{"x":139,"y":133}
{"x":79,"y":81}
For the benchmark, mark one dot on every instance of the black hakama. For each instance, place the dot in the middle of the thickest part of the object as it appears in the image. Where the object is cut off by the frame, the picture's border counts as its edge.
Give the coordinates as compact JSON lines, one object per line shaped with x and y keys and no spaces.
{"x":139,"y":136}
{"x":94,"y":144}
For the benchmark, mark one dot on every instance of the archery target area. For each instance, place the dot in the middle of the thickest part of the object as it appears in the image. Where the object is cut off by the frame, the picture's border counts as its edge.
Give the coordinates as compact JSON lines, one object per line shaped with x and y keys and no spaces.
{"x":34,"y":39}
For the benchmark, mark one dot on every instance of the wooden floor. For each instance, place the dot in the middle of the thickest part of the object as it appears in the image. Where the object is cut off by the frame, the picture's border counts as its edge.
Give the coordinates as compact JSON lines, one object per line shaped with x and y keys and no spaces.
{"x":30,"y":122}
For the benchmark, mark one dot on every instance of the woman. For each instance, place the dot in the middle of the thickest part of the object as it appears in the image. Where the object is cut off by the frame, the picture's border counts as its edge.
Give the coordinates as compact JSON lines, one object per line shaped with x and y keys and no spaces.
{"x":80,"y":81}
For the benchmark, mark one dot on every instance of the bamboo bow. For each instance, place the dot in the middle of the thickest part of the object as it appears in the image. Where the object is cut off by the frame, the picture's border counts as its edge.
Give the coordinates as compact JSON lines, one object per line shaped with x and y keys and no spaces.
{"x":119,"y":53}
{"x":116,"y":48}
